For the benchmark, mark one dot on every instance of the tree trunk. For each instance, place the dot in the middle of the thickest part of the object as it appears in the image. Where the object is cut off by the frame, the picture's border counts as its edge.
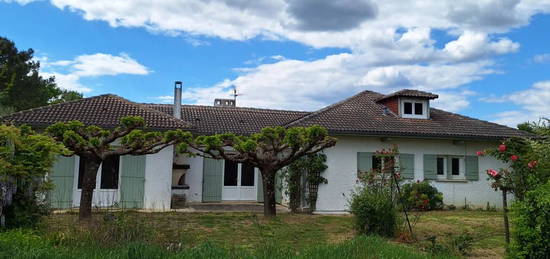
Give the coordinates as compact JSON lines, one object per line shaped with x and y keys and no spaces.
{"x":268,"y":177}
{"x":506,"y":224}
{"x":88,"y":186}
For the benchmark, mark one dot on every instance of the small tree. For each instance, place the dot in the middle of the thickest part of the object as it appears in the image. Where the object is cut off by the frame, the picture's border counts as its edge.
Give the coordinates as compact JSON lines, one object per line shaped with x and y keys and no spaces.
{"x":97,"y":144}
{"x":269,"y":150}
{"x":529,"y":167}
{"x":25,"y":159}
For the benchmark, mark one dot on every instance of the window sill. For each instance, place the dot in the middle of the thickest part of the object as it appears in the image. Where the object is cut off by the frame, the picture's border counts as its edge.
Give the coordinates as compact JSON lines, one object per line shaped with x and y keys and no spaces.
{"x":452,"y":180}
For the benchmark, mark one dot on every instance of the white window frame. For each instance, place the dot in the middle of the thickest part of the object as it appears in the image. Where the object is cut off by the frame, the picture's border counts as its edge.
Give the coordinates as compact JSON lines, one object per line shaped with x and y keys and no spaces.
{"x":444,"y":175}
{"x":447,"y":174}
{"x":425,"y":108}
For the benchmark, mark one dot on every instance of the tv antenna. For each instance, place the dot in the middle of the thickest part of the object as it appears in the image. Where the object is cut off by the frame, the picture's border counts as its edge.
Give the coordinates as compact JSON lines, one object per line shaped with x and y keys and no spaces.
{"x":235,"y":94}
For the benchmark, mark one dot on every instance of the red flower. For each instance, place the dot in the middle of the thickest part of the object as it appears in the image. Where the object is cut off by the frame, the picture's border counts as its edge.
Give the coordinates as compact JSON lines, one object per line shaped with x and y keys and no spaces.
{"x":514,"y":157}
{"x":532,"y":164}
{"x":492,"y":172}
{"x":502,"y":148}
{"x":480,"y":153}
{"x":425,"y":202}
{"x":397,"y":175}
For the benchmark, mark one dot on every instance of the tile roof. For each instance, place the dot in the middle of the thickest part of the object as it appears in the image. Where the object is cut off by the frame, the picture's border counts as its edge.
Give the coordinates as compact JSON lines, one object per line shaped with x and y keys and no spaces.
{"x":238,"y":120}
{"x":362,"y":115}
{"x":103,"y":110}
{"x":410,"y":93}
{"x":357,"y":115}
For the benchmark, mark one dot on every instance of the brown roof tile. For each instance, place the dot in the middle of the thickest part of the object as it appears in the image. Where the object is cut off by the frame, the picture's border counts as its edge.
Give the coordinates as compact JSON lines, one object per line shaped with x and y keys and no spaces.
{"x":362,"y":115}
{"x":103,"y":110}
{"x":410,"y":93}
{"x":238,"y":120}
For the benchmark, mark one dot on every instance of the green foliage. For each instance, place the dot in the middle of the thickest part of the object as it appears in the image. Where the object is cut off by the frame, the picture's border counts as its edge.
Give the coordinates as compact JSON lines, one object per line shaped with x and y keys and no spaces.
{"x":541,"y":128}
{"x":25,"y":159}
{"x":310,"y":166}
{"x":373,"y":203}
{"x":531,"y":219}
{"x":421,"y":196}
{"x":374,"y":211}
{"x":21,"y":86}
{"x":529,"y":162}
{"x":26,"y":244}
{"x":463,"y":243}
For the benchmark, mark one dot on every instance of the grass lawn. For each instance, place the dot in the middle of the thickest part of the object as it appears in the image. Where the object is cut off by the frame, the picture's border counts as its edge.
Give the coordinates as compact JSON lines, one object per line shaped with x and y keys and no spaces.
{"x":300,"y":234}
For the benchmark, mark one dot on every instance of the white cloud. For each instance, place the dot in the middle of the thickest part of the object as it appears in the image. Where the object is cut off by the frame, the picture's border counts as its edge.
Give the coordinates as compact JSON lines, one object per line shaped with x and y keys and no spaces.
{"x":542,"y":58}
{"x":452,"y":101}
{"x":475,"y":45}
{"x":390,"y":43}
{"x":534,"y":103}
{"x":100,"y":64}
{"x":21,"y":2}
{"x":68,"y":72}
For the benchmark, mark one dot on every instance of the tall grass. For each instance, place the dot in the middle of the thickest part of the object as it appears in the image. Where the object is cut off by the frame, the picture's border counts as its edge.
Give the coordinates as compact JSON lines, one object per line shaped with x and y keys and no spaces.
{"x":27,"y":244}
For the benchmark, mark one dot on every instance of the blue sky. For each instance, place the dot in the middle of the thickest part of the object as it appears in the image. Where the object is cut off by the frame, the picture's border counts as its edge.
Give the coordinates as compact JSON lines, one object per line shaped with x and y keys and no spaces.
{"x":487,"y":59}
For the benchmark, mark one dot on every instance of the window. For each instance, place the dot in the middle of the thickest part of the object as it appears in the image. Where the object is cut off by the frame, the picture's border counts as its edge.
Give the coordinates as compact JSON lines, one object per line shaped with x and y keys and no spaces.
{"x":109,"y":173}
{"x":247,"y":175}
{"x":408,"y":108}
{"x":455,"y":166}
{"x":418,"y":109}
{"x":440,"y":166}
{"x":377,"y":163}
{"x":230,"y":173}
{"x":380,"y":163}
{"x":414,"y":108}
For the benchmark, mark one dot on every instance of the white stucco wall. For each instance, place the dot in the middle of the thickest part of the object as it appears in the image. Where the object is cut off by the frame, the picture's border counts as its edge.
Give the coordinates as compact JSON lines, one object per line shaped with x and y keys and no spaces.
{"x":193,"y":177}
{"x":342,"y":170}
{"x":157,"y":191}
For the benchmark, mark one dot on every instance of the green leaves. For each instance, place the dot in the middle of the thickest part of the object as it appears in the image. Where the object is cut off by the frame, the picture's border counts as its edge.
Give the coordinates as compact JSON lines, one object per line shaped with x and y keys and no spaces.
{"x":131,"y":122}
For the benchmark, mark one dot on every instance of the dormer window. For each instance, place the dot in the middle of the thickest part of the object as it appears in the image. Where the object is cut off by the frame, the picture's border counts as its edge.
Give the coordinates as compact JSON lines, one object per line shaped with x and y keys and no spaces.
{"x":412,"y":108}
{"x":408,"y":103}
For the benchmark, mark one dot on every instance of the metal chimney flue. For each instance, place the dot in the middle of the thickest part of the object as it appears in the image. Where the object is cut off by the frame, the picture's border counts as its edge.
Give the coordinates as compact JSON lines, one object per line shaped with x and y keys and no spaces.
{"x":177,"y":99}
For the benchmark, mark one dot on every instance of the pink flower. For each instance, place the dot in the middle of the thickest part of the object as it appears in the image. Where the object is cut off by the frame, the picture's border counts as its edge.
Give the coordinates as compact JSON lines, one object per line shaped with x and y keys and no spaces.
{"x":492,"y":172}
{"x":502,"y":148}
{"x":397,"y":175}
{"x":514,"y":157}
{"x":480,"y":153}
{"x":532,"y":164}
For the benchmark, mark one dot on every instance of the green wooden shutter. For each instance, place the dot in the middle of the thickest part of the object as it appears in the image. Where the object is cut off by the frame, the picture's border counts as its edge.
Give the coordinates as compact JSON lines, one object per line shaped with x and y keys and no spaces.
{"x":212,"y":174}
{"x":132,"y":181}
{"x":406,"y":166}
{"x":260,"y":197}
{"x":472,"y":168}
{"x":430,"y":167}
{"x":62,"y":176}
{"x":364,"y":161}
{"x":278,"y":188}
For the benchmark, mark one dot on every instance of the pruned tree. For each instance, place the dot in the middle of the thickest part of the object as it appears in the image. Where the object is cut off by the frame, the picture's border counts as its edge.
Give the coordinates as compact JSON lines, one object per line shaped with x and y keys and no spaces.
{"x":269,"y":150}
{"x":96,"y":144}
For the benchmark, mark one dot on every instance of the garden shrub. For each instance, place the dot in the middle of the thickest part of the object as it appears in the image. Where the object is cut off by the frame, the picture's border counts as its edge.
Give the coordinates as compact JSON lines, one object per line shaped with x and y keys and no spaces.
{"x":25,"y":159}
{"x":421,"y":196}
{"x":374,"y":211}
{"x":531,"y":221}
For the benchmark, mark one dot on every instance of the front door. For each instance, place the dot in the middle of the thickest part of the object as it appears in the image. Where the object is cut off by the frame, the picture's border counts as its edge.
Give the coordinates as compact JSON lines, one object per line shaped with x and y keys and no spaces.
{"x":239,"y":182}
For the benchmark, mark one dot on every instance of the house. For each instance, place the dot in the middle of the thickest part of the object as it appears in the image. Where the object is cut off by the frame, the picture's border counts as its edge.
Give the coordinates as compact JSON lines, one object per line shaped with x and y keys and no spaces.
{"x":436,"y":145}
